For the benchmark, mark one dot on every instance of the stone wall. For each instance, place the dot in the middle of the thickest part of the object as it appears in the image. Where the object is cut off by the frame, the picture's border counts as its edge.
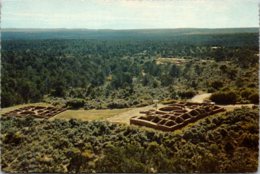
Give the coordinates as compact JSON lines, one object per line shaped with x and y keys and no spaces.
{"x":35,"y":111}
{"x":175,"y":116}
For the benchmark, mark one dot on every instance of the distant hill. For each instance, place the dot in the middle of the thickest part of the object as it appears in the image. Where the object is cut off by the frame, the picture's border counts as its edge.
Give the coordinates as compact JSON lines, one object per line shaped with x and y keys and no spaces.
{"x":140,"y":34}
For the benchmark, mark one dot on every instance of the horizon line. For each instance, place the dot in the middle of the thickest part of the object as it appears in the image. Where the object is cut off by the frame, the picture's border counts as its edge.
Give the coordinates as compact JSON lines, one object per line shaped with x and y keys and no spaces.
{"x":65,"y":28}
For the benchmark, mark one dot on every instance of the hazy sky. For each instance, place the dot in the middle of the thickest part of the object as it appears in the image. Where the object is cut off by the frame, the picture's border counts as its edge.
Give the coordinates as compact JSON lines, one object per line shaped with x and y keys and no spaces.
{"x":128,"y":14}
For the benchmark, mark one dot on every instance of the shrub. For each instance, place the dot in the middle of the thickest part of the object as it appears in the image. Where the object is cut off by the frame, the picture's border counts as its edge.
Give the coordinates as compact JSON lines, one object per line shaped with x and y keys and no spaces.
{"x":229,"y":97}
{"x":212,"y":145}
{"x":187,"y":94}
{"x":168,"y":101}
{"x":211,"y":90}
{"x":135,"y":102}
{"x":250,"y":140}
{"x":217,"y":84}
{"x":254,"y":98}
{"x":75,"y":103}
{"x":144,"y":103}
{"x":13,"y":138}
{"x":245,"y":93}
{"x":118,"y":104}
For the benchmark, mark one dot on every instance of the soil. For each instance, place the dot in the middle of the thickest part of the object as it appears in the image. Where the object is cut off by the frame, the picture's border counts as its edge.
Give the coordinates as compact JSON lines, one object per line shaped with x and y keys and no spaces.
{"x":200,"y":98}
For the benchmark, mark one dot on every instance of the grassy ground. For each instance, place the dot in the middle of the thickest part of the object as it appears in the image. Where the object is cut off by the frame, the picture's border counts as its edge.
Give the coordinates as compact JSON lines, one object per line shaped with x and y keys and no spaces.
{"x":124,"y":117}
{"x":89,"y":114}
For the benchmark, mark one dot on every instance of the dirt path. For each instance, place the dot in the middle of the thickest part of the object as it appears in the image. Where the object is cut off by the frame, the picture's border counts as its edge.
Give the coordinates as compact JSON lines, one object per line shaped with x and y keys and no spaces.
{"x":232,"y":107}
{"x":199,"y":98}
{"x":125,"y":116}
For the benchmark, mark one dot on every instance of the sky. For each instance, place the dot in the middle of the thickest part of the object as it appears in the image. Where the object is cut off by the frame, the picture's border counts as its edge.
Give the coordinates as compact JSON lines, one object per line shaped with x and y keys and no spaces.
{"x":129,"y":14}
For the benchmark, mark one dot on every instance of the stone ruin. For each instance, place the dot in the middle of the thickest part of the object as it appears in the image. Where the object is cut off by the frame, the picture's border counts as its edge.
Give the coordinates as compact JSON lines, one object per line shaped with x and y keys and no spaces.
{"x":35,"y":111}
{"x":175,"y":116}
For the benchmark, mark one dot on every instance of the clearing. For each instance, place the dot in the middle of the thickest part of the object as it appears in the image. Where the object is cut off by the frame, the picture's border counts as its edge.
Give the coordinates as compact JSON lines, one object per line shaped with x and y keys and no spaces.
{"x":77,"y":114}
{"x":86,"y":115}
{"x":166,"y":60}
{"x":200,"y":98}
{"x":177,"y":61}
{"x":125,"y":116}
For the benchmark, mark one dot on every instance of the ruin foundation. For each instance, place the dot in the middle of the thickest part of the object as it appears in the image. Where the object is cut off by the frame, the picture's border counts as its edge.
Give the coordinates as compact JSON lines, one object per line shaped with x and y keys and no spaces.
{"x":175,"y":116}
{"x":35,"y":111}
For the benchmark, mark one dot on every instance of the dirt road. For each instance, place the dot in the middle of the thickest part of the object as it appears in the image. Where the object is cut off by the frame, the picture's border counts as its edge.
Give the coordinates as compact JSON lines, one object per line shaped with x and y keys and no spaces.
{"x":232,"y":107}
{"x":202,"y":97}
{"x":199,"y":98}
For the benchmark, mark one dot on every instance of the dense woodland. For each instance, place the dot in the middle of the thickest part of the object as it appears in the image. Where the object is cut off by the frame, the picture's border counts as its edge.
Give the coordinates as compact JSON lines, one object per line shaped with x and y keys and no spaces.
{"x":120,"y":72}
{"x":120,"y":69}
{"x":226,"y":142}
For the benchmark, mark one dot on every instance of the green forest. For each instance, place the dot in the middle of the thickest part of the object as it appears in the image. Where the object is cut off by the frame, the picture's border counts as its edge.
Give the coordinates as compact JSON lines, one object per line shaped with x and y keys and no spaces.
{"x":106,"y":73}
{"x":115,"y":69}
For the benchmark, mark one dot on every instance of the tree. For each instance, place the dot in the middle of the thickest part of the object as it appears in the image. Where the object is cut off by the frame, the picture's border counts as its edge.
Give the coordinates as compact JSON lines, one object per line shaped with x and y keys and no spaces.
{"x":228,"y":97}
{"x":174,"y":71}
{"x":254,"y":98}
{"x":58,"y":89}
{"x":217,"y":84}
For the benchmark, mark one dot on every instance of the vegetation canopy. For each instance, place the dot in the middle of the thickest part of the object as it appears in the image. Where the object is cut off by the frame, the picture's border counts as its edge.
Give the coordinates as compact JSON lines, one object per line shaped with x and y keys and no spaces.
{"x":106,"y":76}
